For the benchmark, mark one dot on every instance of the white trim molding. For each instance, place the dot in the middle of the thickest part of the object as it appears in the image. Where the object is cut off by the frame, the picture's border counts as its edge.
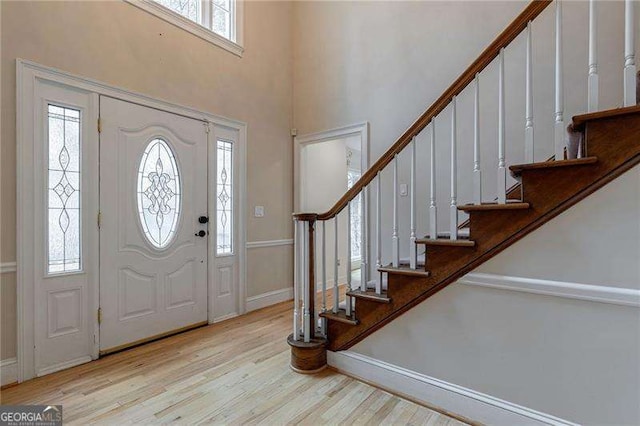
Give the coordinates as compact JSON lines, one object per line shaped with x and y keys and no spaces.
{"x":270,"y":298}
{"x":269,"y":243}
{"x":8,"y":371}
{"x":195,"y":28}
{"x":438,"y":394}
{"x":358,"y":129}
{"x":592,"y":293}
{"x":8,"y":267}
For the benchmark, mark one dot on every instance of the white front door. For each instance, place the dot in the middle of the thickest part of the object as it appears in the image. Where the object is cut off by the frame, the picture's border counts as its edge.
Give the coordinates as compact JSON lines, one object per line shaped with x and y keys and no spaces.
{"x":153,"y":248}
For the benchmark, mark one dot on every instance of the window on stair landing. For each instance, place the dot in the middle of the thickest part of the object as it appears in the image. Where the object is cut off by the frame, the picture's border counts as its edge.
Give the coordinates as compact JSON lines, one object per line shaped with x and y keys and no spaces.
{"x":215,"y":15}
{"x":356,"y":217}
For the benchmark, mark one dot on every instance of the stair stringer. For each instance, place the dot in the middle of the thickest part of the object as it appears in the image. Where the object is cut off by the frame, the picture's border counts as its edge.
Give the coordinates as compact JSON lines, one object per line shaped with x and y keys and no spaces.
{"x":613,"y":137}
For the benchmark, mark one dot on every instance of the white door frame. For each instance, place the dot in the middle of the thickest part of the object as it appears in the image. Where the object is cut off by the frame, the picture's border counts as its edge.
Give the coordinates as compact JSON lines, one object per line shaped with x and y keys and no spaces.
{"x":27,"y":73}
{"x":299,"y":142}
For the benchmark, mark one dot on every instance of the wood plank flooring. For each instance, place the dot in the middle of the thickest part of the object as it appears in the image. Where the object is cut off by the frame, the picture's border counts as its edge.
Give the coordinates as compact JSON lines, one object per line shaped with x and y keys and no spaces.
{"x":234,"y":372}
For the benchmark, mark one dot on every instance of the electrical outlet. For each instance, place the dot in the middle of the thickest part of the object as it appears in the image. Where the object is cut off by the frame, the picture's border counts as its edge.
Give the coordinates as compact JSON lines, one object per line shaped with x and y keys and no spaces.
{"x":258,"y":211}
{"x":338,"y":262}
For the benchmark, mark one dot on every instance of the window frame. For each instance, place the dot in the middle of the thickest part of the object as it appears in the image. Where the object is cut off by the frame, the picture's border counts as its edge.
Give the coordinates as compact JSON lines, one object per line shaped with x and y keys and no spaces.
{"x":233,"y":45}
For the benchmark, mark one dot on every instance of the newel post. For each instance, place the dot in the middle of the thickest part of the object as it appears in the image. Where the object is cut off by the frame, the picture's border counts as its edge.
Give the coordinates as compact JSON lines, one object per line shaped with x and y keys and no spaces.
{"x":308,"y":350}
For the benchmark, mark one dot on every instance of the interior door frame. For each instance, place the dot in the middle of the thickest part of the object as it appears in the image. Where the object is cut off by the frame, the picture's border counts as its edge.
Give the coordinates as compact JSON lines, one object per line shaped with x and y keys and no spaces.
{"x":27,"y":72}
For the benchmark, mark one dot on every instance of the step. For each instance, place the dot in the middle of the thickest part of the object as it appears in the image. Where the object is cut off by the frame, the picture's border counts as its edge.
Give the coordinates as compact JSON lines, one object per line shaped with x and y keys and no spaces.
{"x":370,"y":295}
{"x":516,"y":170}
{"x":579,"y":121}
{"x":447,"y":242}
{"x":341,"y":316}
{"x":405,"y":271}
{"x":493,"y":206}
{"x":462,"y":232}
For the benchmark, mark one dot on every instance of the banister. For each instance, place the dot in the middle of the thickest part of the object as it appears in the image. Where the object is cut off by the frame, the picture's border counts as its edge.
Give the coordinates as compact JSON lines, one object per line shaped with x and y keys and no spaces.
{"x":509,"y":34}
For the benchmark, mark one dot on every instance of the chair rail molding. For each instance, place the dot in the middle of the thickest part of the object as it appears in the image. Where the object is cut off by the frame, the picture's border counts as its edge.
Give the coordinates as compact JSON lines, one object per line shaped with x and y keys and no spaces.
{"x":8,"y":267}
{"x":269,"y":243}
{"x":587,"y":292}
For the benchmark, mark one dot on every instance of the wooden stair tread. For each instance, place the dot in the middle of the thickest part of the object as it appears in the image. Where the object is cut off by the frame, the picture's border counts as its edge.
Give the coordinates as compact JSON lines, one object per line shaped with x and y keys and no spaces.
{"x":370,"y":295}
{"x":580,"y":120}
{"x":460,"y":242}
{"x":405,"y":271}
{"x":494,"y":206}
{"x":517,"y":169}
{"x":341,"y":316}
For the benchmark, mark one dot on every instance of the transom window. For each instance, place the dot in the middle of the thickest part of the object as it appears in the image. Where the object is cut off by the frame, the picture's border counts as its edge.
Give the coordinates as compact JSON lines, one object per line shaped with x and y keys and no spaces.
{"x":215,"y":15}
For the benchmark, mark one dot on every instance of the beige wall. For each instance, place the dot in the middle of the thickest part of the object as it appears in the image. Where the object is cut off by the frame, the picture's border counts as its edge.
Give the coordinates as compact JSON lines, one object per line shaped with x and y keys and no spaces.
{"x":119,"y":44}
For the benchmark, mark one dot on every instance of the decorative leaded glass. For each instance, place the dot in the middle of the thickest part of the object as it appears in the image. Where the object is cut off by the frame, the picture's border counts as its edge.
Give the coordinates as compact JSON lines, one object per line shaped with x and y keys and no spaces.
{"x":356,"y":216}
{"x":158,"y":193}
{"x":63,"y":230}
{"x":224,"y":196}
{"x":190,"y":9}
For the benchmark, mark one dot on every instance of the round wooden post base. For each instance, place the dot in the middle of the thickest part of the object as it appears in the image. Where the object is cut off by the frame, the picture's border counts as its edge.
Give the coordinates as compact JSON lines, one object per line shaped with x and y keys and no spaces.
{"x":308,"y":358}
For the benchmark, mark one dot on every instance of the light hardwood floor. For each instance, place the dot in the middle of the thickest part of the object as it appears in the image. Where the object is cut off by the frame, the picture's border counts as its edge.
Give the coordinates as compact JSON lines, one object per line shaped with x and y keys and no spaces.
{"x":235,"y":372}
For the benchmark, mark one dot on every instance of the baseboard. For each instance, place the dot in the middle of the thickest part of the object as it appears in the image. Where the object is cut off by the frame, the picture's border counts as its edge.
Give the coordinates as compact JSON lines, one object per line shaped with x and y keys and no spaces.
{"x":590,"y":292}
{"x":270,"y":298}
{"x":8,"y":371}
{"x":440,"y":395}
{"x":63,"y":365}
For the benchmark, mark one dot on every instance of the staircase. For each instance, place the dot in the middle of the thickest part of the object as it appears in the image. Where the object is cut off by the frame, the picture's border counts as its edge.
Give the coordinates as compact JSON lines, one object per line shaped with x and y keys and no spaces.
{"x":601,"y":146}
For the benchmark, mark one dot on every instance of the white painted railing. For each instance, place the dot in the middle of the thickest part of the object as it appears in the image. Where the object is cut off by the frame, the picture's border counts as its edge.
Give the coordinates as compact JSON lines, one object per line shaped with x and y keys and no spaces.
{"x":375,"y":249}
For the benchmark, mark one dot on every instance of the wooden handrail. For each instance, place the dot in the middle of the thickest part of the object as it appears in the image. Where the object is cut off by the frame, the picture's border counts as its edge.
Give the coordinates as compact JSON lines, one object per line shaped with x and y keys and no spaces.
{"x":489,"y":54}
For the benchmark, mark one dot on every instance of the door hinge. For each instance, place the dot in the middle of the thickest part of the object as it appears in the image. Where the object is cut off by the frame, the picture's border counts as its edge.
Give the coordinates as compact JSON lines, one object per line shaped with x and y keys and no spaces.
{"x":207,"y":129}
{"x":99,"y":219}
{"x":99,"y":125}
{"x":99,"y":315}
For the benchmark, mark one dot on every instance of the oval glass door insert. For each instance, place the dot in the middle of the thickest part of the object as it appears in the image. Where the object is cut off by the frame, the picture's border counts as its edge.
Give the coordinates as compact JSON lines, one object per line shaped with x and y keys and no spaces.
{"x":158,"y":193}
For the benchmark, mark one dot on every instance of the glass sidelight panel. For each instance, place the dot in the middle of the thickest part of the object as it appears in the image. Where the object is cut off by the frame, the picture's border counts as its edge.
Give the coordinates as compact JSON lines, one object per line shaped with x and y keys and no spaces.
{"x":63,"y":183}
{"x":224,"y":195}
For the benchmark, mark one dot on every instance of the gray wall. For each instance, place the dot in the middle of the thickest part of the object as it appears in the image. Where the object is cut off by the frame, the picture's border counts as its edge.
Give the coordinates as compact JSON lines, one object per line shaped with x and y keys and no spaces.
{"x":575,"y":359}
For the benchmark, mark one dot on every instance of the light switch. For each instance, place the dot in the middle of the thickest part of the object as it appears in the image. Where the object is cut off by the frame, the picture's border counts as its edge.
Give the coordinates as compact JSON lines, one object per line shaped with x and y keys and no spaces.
{"x":258,"y":211}
{"x":404,"y":189}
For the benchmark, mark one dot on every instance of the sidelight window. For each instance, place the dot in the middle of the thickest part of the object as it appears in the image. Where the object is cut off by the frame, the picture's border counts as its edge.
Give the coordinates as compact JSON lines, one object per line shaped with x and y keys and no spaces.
{"x":63,"y":201}
{"x":224,"y":195}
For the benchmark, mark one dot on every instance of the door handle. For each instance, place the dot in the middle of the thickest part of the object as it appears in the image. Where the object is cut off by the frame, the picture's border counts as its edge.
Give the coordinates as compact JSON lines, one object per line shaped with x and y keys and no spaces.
{"x":201,"y":233}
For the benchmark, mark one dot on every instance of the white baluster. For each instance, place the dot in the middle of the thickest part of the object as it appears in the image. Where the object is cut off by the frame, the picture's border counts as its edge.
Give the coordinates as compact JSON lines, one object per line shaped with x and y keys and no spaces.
{"x":502,"y":166}
{"x":592,"y":83}
{"x":528,"y":126}
{"x":305,"y":274}
{"x":559,"y":130}
{"x":395,"y":241}
{"x":413,"y":249}
{"x":348,"y":299}
{"x":477,"y":171}
{"x":323,"y":321}
{"x":453,"y":207}
{"x":296,"y":278}
{"x":364,"y":249}
{"x":433,"y":219}
{"x":629,"y":54}
{"x":378,"y":233}
{"x":336,"y":289}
